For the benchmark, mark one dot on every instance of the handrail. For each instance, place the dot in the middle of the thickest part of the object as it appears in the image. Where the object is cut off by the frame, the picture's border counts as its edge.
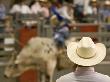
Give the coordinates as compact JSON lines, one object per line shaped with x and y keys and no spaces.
{"x":4,"y":35}
{"x":92,"y":34}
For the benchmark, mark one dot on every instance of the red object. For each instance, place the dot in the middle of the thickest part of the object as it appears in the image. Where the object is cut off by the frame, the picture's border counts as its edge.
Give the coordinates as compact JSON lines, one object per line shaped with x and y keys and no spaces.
{"x":89,"y":28}
{"x":25,"y":34}
{"x":29,"y":76}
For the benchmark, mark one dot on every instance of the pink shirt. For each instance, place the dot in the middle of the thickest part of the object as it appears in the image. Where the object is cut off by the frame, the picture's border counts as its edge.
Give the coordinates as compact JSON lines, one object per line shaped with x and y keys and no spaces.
{"x":45,"y":11}
{"x":84,"y":74}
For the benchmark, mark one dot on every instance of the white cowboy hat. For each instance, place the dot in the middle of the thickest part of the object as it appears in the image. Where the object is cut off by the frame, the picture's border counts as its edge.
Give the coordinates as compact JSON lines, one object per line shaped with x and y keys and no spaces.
{"x":85,"y":52}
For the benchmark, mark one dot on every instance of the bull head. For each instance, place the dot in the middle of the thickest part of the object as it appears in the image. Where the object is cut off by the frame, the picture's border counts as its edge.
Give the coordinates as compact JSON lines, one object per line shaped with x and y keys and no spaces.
{"x":11,"y":67}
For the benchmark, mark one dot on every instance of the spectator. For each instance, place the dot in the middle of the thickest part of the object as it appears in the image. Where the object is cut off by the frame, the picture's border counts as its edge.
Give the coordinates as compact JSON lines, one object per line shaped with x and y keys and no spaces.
{"x":94,"y":5}
{"x":85,"y":54}
{"x":44,"y":8}
{"x":15,"y":8}
{"x":80,"y":8}
{"x":62,"y":10}
{"x":91,"y":12}
{"x":105,"y":12}
{"x":87,"y":6}
{"x":79,"y":2}
{"x":25,"y":8}
{"x":35,"y":7}
{"x":19,"y":11}
{"x":53,"y":10}
{"x":70,"y":10}
{"x":21,"y":8}
{"x":2,"y":11}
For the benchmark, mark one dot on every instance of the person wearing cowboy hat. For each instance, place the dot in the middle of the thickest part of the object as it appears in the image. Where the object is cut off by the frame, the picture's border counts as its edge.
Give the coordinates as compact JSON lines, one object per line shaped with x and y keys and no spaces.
{"x":2,"y":11}
{"x":85,"y":54}
{"x":104,"y":12}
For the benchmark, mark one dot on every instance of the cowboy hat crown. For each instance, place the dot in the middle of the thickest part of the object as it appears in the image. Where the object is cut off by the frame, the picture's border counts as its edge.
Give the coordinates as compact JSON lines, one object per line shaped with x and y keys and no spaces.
{"x":86,"y":48}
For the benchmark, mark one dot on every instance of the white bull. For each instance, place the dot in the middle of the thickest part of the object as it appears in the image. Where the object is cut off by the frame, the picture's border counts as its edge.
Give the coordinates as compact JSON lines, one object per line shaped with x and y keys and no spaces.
{"x":38,"y":51}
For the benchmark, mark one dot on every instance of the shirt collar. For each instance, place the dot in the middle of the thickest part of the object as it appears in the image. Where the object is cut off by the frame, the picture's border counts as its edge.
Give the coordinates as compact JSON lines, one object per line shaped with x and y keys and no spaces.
{"x":84,"y":70}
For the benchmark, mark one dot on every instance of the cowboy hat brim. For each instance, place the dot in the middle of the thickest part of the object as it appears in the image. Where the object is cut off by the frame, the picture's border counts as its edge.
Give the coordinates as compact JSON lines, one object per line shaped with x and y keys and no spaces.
{"x":73,"y":56}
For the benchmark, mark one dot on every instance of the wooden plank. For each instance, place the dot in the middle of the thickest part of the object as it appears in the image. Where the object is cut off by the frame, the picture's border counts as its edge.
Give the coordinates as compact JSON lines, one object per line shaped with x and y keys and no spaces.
{"x":84,"y":24}
{"x":91,"y":34}
{"x":4,"y":35}
{"x":5,"y":53}
{"x":7,"y":45}
{"x":3,"y":64}
{"x":2,"y":25}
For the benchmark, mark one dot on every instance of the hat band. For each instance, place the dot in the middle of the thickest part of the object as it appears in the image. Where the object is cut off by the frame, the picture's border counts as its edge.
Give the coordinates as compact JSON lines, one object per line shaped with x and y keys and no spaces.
{"x":85,"y":57}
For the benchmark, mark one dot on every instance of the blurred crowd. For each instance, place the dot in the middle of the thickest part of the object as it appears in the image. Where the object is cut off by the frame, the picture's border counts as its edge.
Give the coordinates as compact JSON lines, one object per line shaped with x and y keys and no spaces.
{"x":77,"y":10}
